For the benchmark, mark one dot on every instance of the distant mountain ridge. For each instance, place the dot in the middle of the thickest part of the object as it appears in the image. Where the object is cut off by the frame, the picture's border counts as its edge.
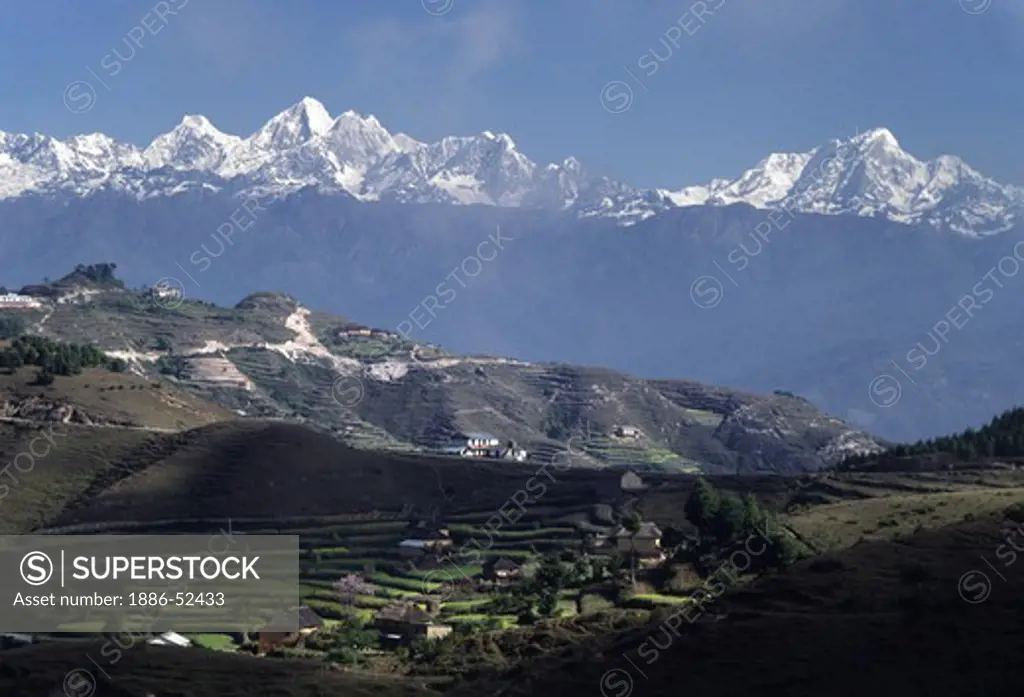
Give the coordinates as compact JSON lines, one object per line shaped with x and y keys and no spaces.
{"x":304,"y":146}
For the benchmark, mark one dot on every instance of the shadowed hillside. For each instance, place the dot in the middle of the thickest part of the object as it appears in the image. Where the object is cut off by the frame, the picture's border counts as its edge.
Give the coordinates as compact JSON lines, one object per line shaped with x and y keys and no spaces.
{"x":245,"y":468}
{"x":141,"y":669}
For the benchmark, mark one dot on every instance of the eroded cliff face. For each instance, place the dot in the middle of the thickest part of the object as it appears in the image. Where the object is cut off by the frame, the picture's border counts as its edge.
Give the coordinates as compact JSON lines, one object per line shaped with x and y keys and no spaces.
{"x":47,"y":410}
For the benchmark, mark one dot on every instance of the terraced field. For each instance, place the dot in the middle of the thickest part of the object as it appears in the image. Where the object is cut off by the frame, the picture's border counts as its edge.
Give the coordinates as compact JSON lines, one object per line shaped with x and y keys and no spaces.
{"x":454,"y":588}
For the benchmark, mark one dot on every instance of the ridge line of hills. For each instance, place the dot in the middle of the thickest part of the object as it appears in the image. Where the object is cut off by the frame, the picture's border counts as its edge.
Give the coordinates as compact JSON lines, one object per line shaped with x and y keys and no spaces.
{"x":270,"y":357}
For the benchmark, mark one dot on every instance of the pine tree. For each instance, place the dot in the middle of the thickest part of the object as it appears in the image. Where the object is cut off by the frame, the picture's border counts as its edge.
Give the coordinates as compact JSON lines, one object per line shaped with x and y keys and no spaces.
{"x":702,"y":505}
{"x":728,"y":520}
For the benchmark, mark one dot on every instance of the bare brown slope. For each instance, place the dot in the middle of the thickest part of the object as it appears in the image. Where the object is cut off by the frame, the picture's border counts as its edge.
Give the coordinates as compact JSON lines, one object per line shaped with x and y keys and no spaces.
{"x":881,"y":619}
{"x":104,"y":398}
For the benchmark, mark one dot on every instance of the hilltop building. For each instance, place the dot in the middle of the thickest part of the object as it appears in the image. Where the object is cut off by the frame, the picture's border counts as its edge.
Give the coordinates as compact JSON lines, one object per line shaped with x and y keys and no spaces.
{"x":628,"y":432}
{"x":166,"y":291}
{"x":14,"y":301}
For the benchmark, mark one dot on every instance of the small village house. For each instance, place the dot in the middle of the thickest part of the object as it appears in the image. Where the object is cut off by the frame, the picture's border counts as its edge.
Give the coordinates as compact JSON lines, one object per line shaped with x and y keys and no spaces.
{"x":403,"y":623}
{"x":628,"y":432}
{"x":644,"y":543}
{"x":485,"y":445}
{"x":166,"y":291}
{"x":425,"y":536}
{"x":309,"y":622}
{"x":503,"y":570}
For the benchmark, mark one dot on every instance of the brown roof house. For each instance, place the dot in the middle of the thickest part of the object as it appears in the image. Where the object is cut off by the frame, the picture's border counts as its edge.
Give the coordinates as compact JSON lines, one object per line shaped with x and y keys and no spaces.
{"x":503,"y":570}
{"x":404,"y":622}
{"x":424,"y":537}
{"x":309,"y":622}
{"x":644,"y":543}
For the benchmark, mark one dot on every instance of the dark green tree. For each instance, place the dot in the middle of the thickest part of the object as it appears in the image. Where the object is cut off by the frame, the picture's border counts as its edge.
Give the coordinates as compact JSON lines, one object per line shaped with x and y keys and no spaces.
{"x":702,"y":505}
{"x":753,"y":516}
{"x":43,"y":377}
{"x":728,"y":520}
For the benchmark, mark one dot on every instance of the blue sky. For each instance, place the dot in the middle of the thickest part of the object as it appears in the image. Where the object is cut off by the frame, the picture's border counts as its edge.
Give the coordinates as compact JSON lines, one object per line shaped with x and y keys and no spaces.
{"x":756,"y":76}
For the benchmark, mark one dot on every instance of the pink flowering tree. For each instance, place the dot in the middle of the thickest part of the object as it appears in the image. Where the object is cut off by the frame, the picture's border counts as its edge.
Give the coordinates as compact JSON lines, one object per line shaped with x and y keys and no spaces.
{"x":351,"y":585}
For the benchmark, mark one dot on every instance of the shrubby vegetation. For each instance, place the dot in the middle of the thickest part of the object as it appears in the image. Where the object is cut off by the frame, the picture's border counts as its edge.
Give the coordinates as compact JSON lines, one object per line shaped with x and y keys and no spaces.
{"x":175,"y":366}
{"x":55,"y":358}
{"x":344,"y":640}
{"x":11,"y":327}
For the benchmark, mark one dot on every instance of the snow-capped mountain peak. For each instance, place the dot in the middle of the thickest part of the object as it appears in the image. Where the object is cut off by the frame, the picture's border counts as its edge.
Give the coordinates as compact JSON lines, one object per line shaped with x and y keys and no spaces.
{"x":407,"y":143}
{"x":359,"y":140}
{"x":868,"y":174}
{"x":294,"y":126}
{"x":881,"y":137}
{"x":194,"y":144}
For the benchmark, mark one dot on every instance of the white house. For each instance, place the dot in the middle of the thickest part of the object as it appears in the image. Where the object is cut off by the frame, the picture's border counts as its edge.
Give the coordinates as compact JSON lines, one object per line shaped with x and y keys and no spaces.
{"x":165,"y":291}
{"x":485,"y":445}
{"x":13,"y":301}
{"x":628,"y":432}
{"x":481,"y":441}
{"x":170,"y":639}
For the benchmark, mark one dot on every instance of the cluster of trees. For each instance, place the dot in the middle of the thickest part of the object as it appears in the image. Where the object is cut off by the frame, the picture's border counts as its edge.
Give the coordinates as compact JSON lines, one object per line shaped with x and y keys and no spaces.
{"x":98,"y":274}
{"x":83,"y":274}
{"x":725,"y":519}
{"x":1003,"y":436}
{"x":55,"y":358}
{"x":538,"y":596}
{"x":175,"y":366}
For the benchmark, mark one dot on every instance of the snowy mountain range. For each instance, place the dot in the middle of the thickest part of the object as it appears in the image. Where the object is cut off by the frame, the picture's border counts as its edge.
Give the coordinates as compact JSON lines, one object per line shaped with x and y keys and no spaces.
{"x":304,"y":146}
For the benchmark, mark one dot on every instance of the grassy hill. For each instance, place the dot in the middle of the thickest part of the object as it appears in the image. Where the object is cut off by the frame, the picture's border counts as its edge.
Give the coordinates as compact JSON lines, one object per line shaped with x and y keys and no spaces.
{"x":105,"y":398}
